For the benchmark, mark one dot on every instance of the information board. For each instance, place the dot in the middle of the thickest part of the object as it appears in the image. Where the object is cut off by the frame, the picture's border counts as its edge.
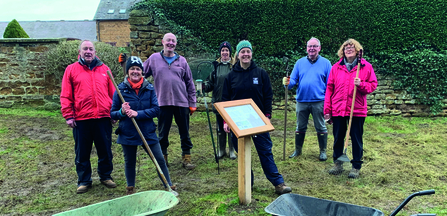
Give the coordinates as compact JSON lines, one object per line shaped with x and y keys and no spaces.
{"x":244,"y":117}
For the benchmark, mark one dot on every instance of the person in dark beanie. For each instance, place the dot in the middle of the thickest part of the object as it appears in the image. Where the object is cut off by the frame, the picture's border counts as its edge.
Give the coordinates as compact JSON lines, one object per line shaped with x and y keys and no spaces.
{"x":247,"y":80}
{"x":214,"y":82}
{"x":142,"y":105}
{"x":176,"y":95}
{"x":89,"y":114}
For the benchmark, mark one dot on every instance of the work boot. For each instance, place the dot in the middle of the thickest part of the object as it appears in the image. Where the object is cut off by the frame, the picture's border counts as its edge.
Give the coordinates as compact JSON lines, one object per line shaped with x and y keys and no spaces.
{"x":231,"y":148}
{"x":354,"y":173}
{"x":299,"y":140}
{"x":282,"y":189}
{"x":130,"y":190}
{"x":222,"y":144}
{"x":82,"y":189}
{"x":109,"y":183}
{"x":322,"y":141}
{"x":186,"y":162}
{"x":337,"y":169}
{"x":166,"y":160}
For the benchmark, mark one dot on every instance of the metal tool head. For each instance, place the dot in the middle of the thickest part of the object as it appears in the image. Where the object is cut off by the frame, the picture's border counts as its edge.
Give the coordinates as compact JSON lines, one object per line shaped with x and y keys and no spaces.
{"x":343,"y":158}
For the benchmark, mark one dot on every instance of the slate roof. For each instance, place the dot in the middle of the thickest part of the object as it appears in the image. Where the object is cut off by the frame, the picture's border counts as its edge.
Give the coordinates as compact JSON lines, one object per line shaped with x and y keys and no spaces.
{"x":114,"y":9}
{"x":83,"y":30}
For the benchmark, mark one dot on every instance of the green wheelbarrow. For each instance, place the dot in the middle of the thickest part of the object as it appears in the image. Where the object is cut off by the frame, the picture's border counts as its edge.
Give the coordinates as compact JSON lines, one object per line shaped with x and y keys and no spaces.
{"x":144,"y":203}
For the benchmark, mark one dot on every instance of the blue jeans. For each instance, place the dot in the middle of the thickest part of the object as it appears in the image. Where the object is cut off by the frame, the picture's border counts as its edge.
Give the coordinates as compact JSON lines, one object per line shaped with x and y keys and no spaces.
{"x":130,"y":159}
{"x":85,"y":133}
{"x":340,"y":128}
{"x":303,"y":110}
{"x":263,"y":145}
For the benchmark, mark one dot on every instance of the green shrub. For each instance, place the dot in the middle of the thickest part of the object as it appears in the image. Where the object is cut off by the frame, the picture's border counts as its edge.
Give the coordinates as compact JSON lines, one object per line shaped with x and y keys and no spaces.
{"x":58,"y":57}
{"x":14,"y":30}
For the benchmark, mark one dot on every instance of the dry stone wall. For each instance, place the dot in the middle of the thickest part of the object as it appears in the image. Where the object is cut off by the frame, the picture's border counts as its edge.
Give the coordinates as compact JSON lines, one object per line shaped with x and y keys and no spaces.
{"x":22,"y":77}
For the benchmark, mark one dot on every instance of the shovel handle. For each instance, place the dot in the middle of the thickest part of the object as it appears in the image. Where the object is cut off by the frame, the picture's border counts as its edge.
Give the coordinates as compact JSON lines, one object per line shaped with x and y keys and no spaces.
{"x":141,"y":135}
{"x":353,"y":100}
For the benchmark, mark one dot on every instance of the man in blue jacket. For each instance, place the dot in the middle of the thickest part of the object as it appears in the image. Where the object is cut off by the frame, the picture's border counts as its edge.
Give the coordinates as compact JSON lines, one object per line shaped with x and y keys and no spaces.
{"x":310,"y":75}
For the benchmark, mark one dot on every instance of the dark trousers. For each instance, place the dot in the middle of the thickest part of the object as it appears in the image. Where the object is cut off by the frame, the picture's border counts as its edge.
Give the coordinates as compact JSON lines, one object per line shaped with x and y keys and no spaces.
{"x":85,"y":133}
{"x":220,"y":121}
{"x":340,"y":127}
{"x":263,"y":145}
{"x":130,"y":159}
{"x":181,"y":117}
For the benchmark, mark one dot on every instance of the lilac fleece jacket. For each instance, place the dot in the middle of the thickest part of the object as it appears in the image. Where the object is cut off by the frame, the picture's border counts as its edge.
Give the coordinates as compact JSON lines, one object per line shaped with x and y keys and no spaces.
{"x":173,"y":82}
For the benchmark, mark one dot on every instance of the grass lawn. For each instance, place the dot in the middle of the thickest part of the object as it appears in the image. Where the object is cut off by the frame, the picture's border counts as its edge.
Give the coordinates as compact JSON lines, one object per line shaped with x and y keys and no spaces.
{"x":402,"y":156}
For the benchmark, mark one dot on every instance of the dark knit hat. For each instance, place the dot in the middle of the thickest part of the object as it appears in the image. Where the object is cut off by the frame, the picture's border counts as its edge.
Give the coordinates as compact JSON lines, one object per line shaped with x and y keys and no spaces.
{"x":133,"y":61}
{"x":225,"y":44}
{"x":243,"y":44}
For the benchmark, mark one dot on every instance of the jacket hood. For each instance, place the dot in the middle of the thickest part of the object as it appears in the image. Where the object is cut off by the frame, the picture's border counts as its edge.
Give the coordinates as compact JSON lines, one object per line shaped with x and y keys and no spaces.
{"x":238,"y":68}
{"x":95,"y":63}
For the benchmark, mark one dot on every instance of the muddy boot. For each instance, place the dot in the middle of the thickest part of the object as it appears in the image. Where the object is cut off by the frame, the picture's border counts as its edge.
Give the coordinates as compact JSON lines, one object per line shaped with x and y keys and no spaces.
{"x":322,"y":141}
{"x":186,"y":162}
{"x":337,"y":169}
{"x":130,"y":190}
{"x":231,"y":148}
{"x":222,"y":144}
{"x":299,"y":140}
{"x":282,"y":189}
{"x":354,"y":173}
{"x":166,"y":160}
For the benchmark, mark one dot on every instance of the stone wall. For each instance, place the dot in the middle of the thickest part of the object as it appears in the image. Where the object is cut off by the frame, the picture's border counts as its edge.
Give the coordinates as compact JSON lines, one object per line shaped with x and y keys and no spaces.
{"x":22,"y":77}
{"x":115,"y":32}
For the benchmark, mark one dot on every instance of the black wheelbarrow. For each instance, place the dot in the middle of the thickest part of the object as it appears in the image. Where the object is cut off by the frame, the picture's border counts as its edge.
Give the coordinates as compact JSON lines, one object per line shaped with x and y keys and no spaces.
{"x":299,"y":205}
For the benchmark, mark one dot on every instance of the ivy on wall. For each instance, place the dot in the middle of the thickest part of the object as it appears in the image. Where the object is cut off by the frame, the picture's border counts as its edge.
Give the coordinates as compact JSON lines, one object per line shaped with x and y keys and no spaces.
{"x":386,"y":29}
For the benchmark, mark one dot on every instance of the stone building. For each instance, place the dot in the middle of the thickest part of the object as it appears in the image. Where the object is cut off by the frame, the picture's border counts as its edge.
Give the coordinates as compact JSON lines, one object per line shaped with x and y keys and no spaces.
{"x":111,"y":22}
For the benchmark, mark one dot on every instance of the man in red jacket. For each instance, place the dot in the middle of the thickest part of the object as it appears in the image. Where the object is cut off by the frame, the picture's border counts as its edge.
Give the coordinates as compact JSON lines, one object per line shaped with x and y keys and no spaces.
{"x":86,"y":100}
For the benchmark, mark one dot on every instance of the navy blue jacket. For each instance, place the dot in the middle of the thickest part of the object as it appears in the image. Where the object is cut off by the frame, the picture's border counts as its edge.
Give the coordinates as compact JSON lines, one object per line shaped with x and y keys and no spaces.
{"x":146,"y":104}
{"x":252,"y":83}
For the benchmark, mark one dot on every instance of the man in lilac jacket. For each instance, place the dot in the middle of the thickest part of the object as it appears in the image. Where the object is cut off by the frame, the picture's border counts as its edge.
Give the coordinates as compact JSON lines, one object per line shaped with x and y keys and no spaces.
{"x":176,"y":95}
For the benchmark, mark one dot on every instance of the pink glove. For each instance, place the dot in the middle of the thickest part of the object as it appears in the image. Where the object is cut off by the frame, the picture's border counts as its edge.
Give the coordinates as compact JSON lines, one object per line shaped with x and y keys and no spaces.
{"x":226,"y":128}
{"x":71,"y":123}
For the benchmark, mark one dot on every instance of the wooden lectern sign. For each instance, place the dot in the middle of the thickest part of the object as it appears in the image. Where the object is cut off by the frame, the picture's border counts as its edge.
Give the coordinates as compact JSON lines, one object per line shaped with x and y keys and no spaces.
{"x":245,"y":119}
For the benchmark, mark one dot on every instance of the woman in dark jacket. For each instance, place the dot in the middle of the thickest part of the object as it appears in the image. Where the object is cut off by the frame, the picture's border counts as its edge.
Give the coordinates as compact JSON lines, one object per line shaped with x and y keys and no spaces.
{"x":214,"y":82}
{"x":246,"y":80}
{"x":141,"y":104}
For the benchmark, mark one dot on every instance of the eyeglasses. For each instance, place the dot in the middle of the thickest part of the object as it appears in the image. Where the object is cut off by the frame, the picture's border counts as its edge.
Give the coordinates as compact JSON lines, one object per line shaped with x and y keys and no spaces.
{"x":313,"y":46}
{"x":349,"y":48}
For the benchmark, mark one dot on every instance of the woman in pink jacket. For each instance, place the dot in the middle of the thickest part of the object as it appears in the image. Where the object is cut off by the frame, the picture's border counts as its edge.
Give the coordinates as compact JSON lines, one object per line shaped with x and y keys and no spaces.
{"x":338,"y":101}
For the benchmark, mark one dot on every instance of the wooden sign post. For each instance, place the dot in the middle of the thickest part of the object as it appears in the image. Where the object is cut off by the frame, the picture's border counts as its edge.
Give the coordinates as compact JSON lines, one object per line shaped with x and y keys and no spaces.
{"x":245,"y":119}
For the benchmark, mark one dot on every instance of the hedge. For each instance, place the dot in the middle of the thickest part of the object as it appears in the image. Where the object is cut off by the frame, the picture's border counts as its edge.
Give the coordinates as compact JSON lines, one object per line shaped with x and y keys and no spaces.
{"x":387,"y":29}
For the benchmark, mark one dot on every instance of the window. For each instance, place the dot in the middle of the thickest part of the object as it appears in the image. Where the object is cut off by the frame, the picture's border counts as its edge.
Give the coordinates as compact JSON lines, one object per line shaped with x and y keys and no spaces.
{"x":111,"y":11}
{"x":122,"y":11}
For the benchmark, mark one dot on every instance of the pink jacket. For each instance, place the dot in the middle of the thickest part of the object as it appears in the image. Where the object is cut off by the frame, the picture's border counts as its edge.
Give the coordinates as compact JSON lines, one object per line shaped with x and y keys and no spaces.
{"x":340,"y":88}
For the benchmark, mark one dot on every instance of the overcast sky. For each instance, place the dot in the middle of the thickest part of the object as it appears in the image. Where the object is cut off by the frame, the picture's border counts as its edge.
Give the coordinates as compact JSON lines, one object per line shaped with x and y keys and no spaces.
{"x":31,"y":10}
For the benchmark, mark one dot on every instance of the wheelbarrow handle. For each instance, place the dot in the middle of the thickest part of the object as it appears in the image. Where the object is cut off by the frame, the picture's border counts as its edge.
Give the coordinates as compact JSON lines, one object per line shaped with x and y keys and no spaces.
{"x":425,"y":192}
{"x":420,"y":193}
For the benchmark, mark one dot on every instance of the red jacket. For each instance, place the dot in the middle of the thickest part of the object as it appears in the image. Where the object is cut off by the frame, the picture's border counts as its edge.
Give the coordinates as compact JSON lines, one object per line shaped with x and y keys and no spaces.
{"x":340,"y":88}
{"x":86,"y":93}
